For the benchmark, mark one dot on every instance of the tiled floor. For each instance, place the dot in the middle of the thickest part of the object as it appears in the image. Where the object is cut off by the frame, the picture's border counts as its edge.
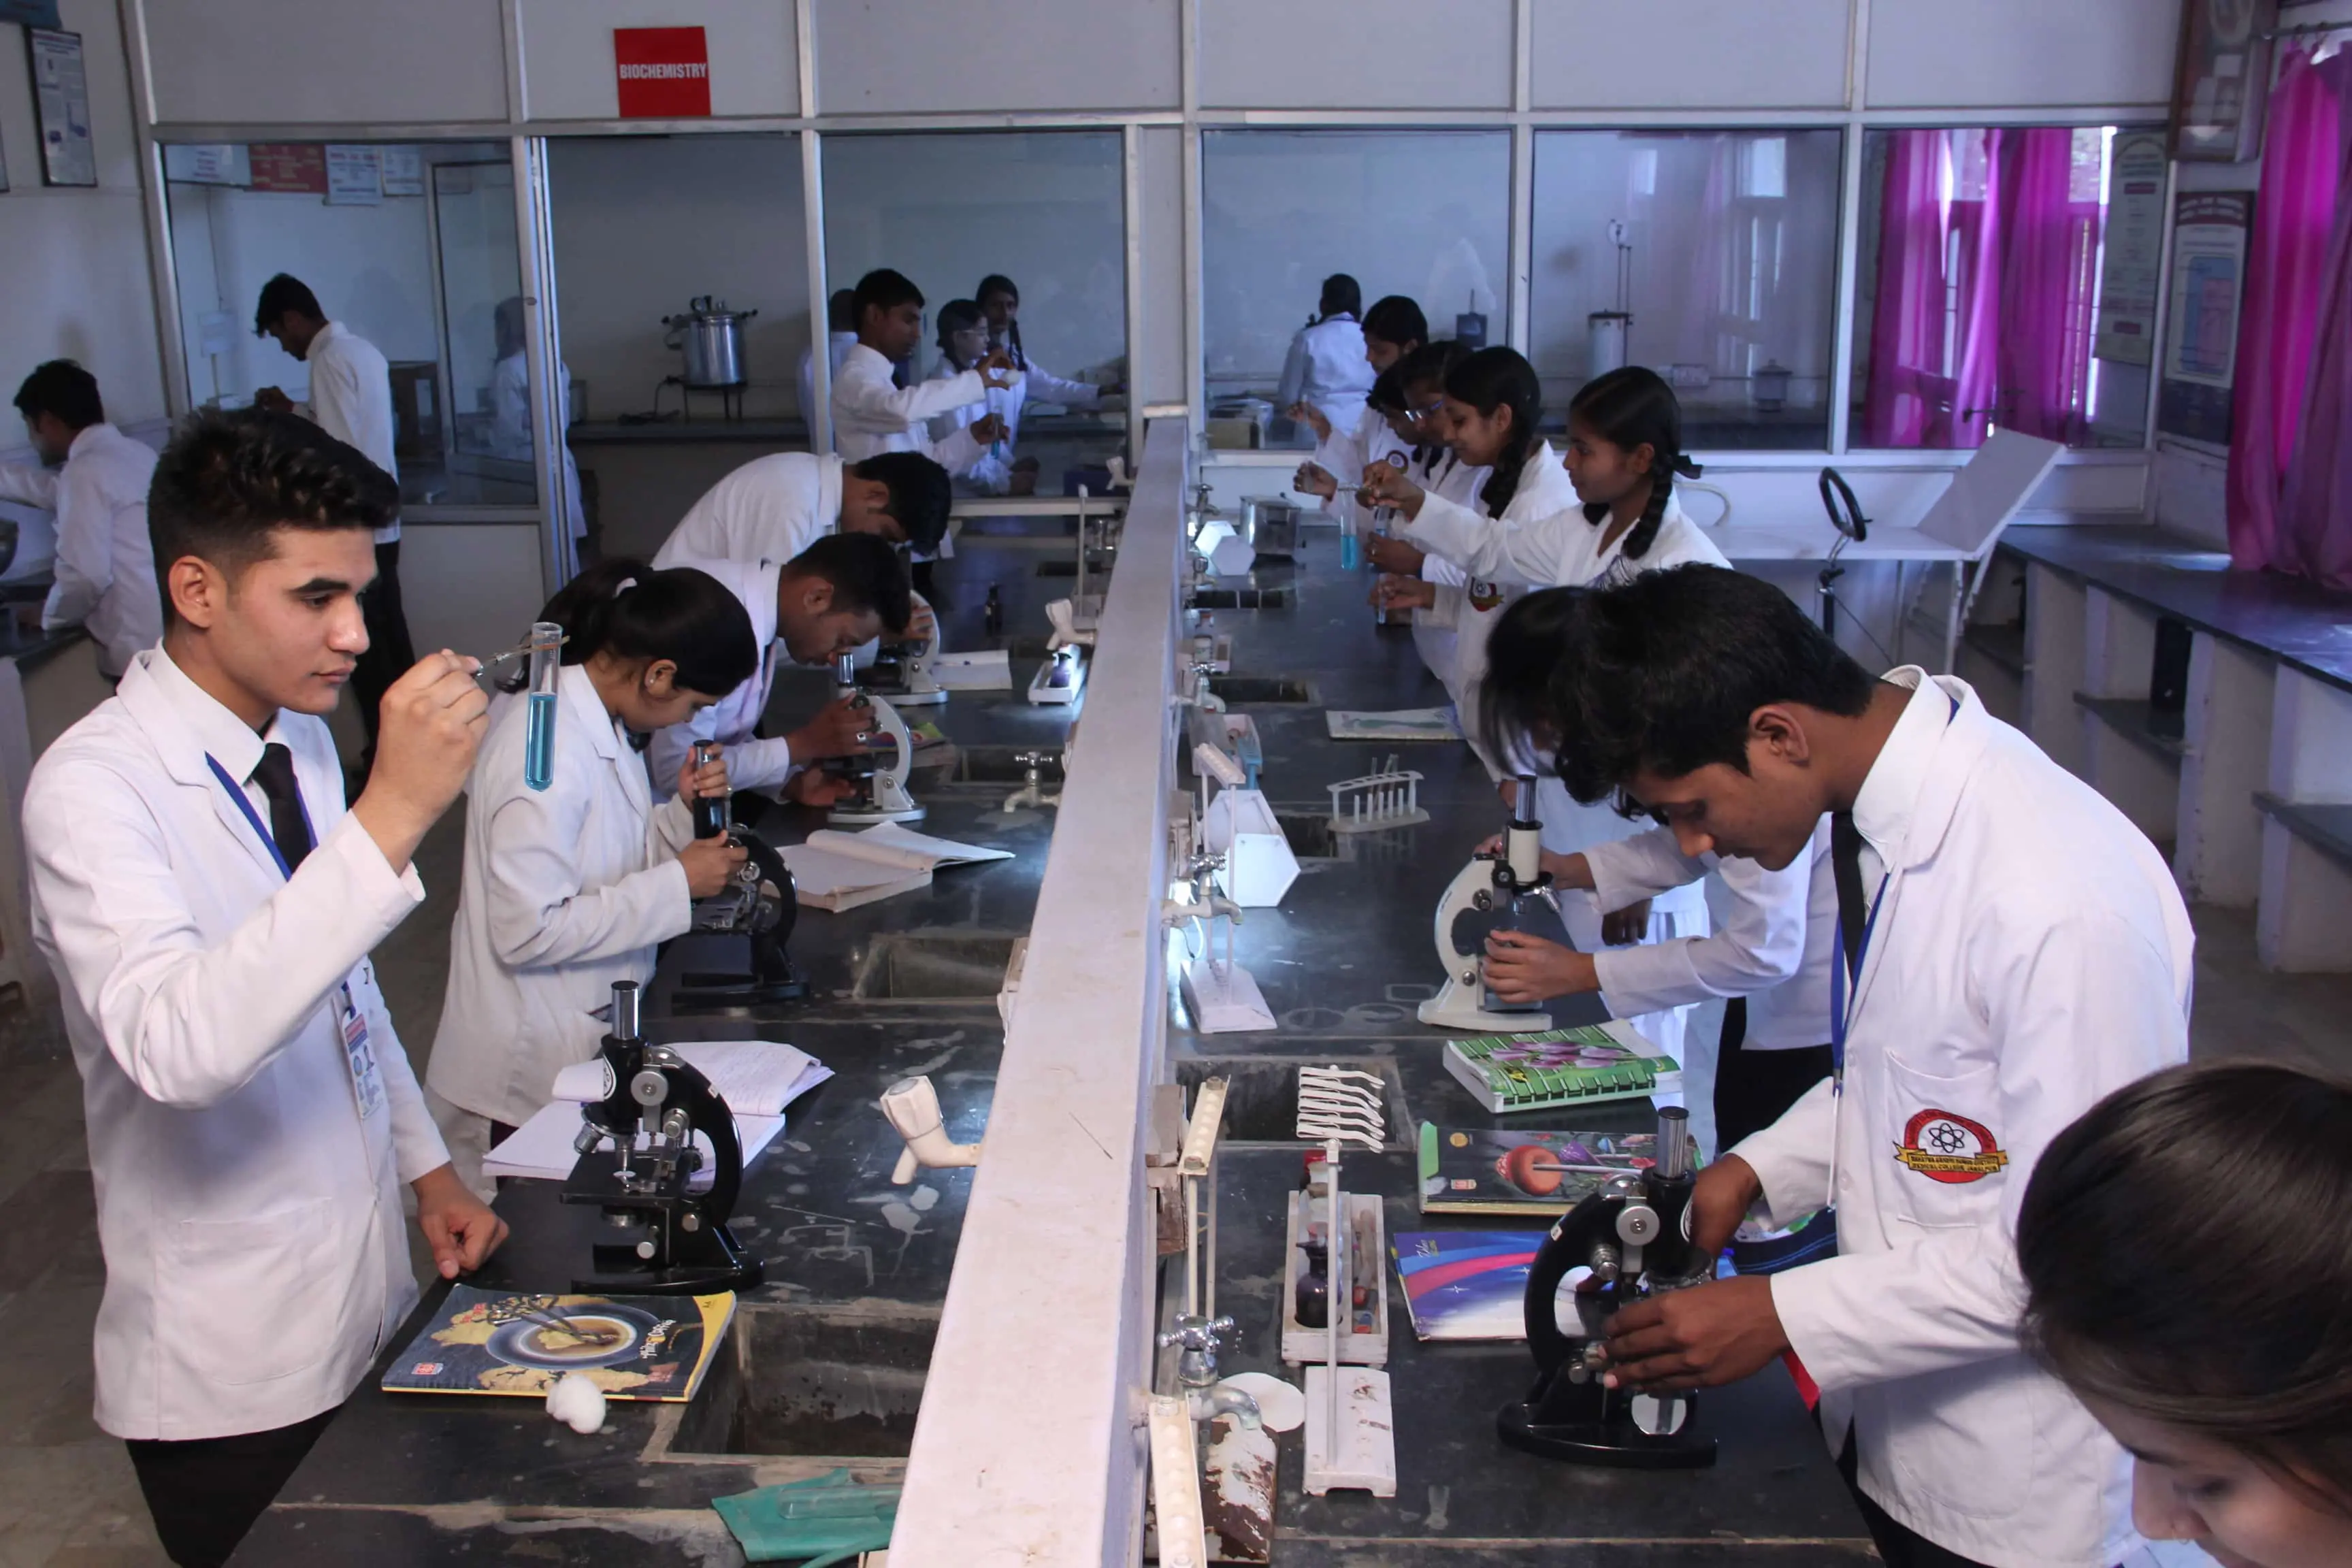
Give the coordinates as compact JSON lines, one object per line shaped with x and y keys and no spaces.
{"x":68,"y":1499}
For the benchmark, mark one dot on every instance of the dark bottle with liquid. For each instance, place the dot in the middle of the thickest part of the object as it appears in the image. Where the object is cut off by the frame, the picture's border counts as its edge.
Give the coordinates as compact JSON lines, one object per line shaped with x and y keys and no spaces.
{"x":993,"y":613}
{"x":710,"y":810}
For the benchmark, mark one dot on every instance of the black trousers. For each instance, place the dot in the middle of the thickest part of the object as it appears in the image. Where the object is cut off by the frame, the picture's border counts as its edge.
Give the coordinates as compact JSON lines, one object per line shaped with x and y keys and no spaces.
{"x":1755,"y":1089}
{"x":390,"y":654}
{"x":1900,"y":1545}
{"x":207,"y":1493}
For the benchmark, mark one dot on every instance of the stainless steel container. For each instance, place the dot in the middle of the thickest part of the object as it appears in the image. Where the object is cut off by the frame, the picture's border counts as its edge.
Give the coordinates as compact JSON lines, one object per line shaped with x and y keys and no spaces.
{"x":711,"y":337}
{"x":1270,"y":524}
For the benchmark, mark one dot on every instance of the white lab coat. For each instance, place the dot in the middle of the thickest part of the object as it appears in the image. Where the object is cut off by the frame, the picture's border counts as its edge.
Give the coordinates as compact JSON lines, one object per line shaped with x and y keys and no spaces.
{"x":510,"y":426}
{"x":1327,"y":367}
{"x":1346,"y":453}
{"x":1434,"y":634}
{"x":1044,"y":385}
{"x":1775,"y":949}
{"x":770,"y":508}
{"x":2030,"y":954}
{"x":105,"y":561}
{"x":566,"y":891}
{"x":990,"y":471}
{"x":752,"y":763}
{"x":351,"y":399}
{"x":870,"y":415}
{"x":837,"y":345}
{"x":256,"y":1255}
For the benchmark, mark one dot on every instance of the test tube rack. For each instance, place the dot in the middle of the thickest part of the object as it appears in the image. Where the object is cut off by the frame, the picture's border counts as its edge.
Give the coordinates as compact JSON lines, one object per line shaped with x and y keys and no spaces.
{"x":1389,"y":798}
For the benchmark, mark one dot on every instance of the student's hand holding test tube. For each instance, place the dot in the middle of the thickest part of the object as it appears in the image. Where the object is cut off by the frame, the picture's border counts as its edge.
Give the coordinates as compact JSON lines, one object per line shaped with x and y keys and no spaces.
{"x":1392,"y":590}
{"x":1385,"y":485}
{"x":1390,"y":553}
{"x":711,"y":863}
{"x":996,"y":371}
{"x":1314,"y":419}
{"x":1313,"y":480}
{"x":429,"y":726}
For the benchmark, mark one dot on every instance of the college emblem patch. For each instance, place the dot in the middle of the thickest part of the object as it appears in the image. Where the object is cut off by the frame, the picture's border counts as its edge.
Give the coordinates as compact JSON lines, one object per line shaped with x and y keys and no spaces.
{"x":1943,"y":1147}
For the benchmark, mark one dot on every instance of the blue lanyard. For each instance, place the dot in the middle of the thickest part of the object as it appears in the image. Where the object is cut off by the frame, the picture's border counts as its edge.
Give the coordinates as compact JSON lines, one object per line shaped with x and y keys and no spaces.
{"x":244,"y":805}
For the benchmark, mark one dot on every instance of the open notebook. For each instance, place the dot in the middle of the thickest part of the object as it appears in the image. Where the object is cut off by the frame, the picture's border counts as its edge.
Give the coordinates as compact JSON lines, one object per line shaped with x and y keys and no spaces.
{"x":835,"y":871}
{"x":757,"y":1078}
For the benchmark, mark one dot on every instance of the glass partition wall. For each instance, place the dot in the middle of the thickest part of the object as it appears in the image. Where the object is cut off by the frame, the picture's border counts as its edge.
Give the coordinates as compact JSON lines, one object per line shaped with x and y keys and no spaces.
{"x":411,"y":247}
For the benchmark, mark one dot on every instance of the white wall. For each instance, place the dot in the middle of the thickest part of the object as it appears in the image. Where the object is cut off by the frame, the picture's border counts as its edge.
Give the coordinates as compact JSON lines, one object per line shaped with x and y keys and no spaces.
{"x":1356,"y":54}
{"x":642,"y":224}
{"x":74,"y":261}
{"x":1694,"y":54}
{"x":299,"y":62}
{"x":921,"y":57}
{"x":1928,"y":54}
{"x":1043,"y":208}
{"x":1421,"y":213}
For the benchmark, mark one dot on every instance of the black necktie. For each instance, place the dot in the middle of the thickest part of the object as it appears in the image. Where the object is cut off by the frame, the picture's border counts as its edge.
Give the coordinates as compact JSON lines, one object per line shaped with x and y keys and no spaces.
{"x":1845,"y":861}
{"x":287,"y":825}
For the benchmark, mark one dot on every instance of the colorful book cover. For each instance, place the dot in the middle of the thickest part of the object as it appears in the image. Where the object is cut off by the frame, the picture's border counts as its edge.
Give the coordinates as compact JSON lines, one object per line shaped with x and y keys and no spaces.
{"x":1466,"y":1284}
{"x":1560,"y":1066}
{"x":1494,"y":1169}
{"x":653,"y":1348}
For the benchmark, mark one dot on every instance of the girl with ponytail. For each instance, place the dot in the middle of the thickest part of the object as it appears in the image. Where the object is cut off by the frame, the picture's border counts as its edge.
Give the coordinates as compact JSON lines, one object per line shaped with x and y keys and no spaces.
{"x":964,"y":344}
{"x":569,"y":888}
{"x":1327,"y":368}
{"x":1625,"y":450}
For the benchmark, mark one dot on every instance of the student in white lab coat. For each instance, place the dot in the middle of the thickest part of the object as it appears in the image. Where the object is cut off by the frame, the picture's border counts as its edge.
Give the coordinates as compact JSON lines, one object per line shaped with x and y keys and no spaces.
{"x":2201,"y":1315}
{"x":840,"y":337}
{"x":964,"y":347}
{"x":1394,"y":329}
{"x":1493,"y":408}
{"x":2013,"y":948}
{"x":773,"y":508}
{"x":871,"y":414}
{"x":1434,"y":467}
{"x":105,"y":572}
{"x":1000,"y":301}
{"x":209,"y":905}
{"x":1326,"y":367}
{"x":842,"y":590}
{"x":351,"y":399}
{"x":1769,"y":961}
{"x":571,"y":887}
{"x":510,"y":407}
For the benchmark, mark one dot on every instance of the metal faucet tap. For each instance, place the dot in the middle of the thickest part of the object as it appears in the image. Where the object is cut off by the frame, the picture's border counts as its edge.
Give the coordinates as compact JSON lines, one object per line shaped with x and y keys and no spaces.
{"x":1196,"y":1340}
{"x":1031,"y":791}
{"x":1207,"y":903}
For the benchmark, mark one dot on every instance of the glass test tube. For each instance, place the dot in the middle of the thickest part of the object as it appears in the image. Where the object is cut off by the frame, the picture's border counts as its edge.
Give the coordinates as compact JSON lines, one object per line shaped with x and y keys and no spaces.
{"x":539,"y":737}
{"x":710,"y":811}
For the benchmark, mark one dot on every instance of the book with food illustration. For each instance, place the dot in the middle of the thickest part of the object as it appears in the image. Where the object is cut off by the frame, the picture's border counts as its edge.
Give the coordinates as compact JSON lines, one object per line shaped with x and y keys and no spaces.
{"x":652,"y":1348}
{"x":1494,"y":1169}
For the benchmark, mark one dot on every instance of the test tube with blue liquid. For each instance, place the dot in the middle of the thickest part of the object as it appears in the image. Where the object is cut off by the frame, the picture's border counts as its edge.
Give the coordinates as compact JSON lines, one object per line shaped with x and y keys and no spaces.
{"x":1350,"y":547}
{"x":538,"y":733}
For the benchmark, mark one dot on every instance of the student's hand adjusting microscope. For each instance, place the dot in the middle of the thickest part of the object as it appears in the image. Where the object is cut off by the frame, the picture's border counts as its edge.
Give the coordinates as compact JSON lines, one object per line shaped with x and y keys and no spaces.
{"x":1633,"y":1235}
{"x":637,"y":1161}
{"x":758,"y":907}
{"x":878,"y":779}
{"x":1491,"y":884}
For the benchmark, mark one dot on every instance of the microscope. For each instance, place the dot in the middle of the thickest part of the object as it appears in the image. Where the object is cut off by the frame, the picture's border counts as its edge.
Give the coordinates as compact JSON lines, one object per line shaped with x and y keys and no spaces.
{"x":904,"y":670}
{"x":757,"y":906}
{"x":637,"y":1161}
{"x":1633,"y":1235}
{"x":878,"y":786}
{"x":1489,"y":883}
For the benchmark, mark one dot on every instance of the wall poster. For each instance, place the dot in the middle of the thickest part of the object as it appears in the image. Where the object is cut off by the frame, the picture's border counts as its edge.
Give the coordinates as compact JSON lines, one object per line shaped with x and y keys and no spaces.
{"x":2209,"y":234}
{"x":61,"y":104}
{"x":2224,"y":82}
{"x":2135,"y":248}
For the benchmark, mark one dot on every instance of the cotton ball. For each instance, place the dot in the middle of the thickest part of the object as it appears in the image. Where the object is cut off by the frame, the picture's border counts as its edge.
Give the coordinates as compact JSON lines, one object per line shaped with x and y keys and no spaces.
{"x":577,"y":1402}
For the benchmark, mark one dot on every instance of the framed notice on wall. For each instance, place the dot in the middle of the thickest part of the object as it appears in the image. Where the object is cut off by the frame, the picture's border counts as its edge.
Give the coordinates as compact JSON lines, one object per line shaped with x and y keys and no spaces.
{"x":61,"y":105}
{"x":2224,"y":82}
{"x":2135,"y":248}
{"x":2210,"y":231}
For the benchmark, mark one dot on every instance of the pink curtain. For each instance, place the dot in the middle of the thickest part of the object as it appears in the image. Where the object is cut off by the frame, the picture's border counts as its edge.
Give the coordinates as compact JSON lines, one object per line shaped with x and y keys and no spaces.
{"x":2050,"y":247}
{"x":1906,"y":323}
{"x":2289,"y":264}
{"x":2315,"y":516}
{"x":1984,"y":310}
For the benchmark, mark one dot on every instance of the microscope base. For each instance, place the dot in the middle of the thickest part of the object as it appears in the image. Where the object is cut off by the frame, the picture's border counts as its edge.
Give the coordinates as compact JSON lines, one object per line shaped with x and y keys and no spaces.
{"x":718,"y":992}
{"x":863,"y":816}
{"x":1458,"y":1007}
{"x":1616,"y":1444}
{"x":722,"y":1266}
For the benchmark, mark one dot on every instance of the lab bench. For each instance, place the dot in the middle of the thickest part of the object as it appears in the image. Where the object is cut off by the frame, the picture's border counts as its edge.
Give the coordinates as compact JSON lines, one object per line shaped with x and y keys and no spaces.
{"x":832,"y":1353}
{"x":828,"y":1355}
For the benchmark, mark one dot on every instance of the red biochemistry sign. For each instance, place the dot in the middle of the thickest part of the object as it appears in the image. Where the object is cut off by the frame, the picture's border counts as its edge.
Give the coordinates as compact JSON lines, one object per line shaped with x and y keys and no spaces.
{"x":665,"y":72}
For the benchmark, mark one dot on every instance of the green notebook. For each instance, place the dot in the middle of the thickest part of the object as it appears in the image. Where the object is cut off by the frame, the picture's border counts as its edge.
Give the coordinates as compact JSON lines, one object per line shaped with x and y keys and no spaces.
{"x":1557,"y":1068}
